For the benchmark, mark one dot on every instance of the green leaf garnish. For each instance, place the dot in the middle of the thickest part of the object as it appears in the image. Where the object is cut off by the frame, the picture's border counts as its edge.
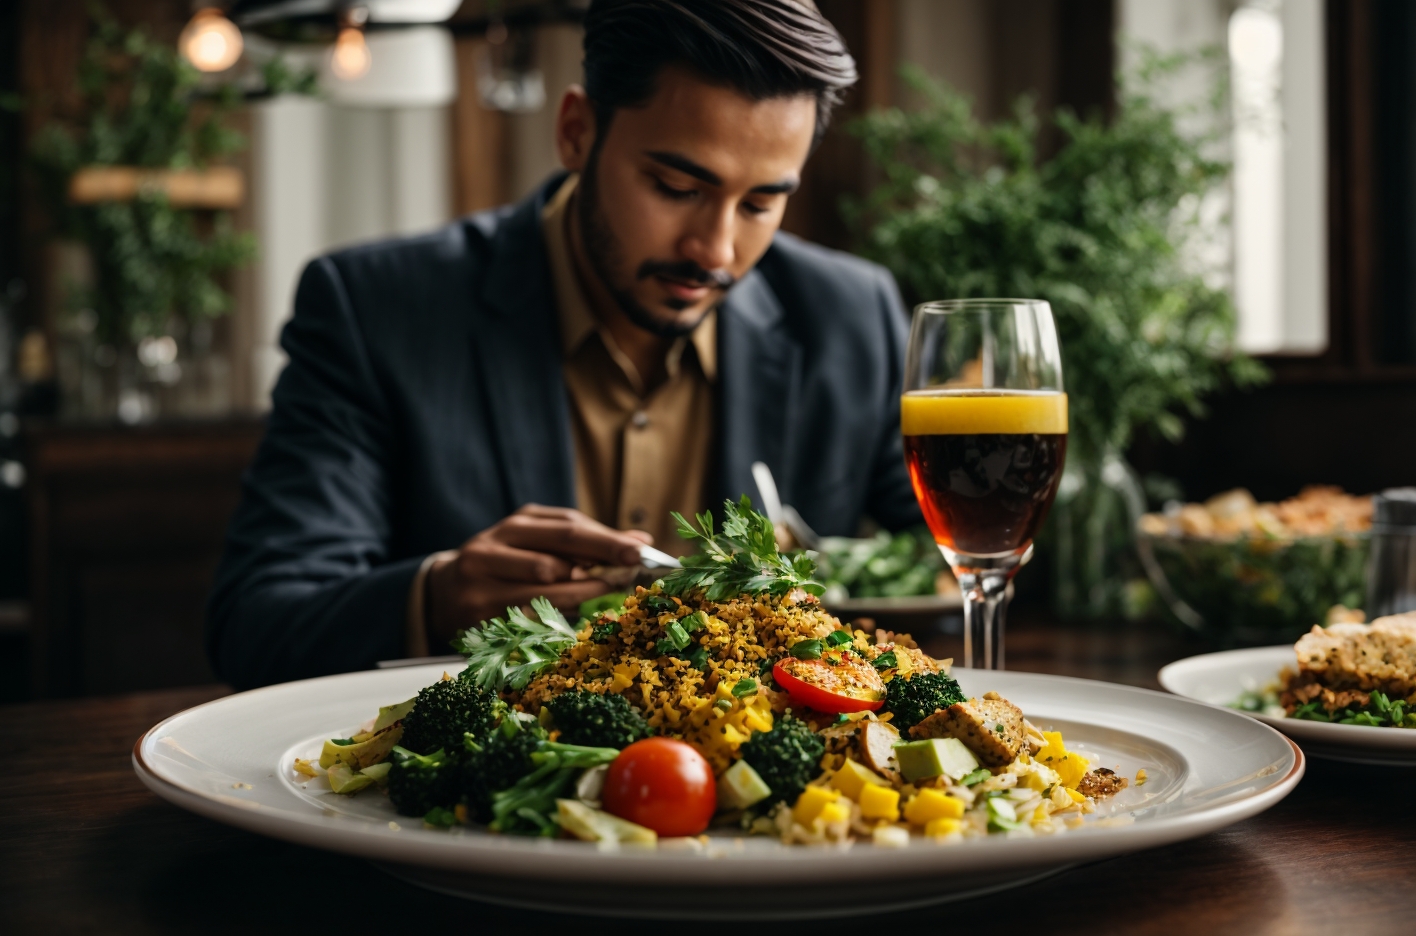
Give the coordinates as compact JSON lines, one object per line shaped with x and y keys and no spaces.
{"x":744,"y":687}
{"x":741,"y":560}
{"x":839,"y":638}
{"x":886,"y":660}
{"x":806,"y":649}
{"x":511,"y":652}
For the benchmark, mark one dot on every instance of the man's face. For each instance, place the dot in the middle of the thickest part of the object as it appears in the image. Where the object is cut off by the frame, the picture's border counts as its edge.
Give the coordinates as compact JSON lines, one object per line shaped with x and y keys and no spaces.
{"x":681,"y":197}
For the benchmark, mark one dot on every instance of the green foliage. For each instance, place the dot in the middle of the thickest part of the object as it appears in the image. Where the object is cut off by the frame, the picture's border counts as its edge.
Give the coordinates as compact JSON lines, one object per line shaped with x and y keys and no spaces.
{"x":741,"y":560}
{"x":915,"y":697}
{"x":508,"y":653}
{"x":446,"y":711}
{"x":1379,"y":712}
{"x":143,"y":107}
{"x":906,"y":563}
{"x":598,"y":720}
{"x":1101,"y":231}
{"x":787,"y":758}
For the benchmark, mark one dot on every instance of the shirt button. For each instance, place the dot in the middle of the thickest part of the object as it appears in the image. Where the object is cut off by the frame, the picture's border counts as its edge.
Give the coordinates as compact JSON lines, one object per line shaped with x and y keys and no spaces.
{"x":640,"y":419}
{"x":638,"y":515}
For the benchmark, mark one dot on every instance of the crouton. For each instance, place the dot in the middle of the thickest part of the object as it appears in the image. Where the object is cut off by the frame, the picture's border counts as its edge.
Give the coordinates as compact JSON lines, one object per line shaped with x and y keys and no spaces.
{"x":991,"y":727}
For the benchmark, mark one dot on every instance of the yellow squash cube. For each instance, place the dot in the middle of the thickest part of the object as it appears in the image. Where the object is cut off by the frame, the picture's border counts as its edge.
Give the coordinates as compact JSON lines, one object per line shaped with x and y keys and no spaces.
{"x":1070,"y":767}
{"x":812,"y":800}
{"x":940,"y":827}
{"x":853,"y":776}
{"x":834,"y":812}
{"x":879,"y":802}
{"x":931,"y":804}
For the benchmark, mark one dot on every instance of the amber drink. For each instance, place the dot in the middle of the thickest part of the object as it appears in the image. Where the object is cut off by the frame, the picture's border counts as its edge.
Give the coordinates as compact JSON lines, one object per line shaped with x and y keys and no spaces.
{"x":984,"y":464}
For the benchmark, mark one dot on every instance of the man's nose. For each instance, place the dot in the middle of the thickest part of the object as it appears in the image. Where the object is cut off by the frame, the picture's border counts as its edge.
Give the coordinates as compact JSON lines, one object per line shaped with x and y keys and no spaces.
{"x":711,"y":243}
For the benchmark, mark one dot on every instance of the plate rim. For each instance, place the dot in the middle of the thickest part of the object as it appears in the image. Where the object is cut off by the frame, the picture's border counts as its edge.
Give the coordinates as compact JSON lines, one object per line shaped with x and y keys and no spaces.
{"x":424,"y":851}
{"x":1347,"y":738}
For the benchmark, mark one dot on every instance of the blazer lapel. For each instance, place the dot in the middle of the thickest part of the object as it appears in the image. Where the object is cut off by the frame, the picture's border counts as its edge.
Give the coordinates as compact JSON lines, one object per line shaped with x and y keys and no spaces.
{"x":517,"y":348}
{"x":759,"y":366}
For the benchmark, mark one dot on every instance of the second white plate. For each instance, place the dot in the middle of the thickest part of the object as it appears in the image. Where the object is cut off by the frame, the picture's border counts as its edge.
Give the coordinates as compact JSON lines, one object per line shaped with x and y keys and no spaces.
{"x":1220,"y":678}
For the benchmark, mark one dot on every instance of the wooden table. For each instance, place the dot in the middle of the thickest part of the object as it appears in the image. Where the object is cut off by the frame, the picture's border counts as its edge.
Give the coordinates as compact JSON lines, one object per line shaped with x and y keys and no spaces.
{"x":86,"y":848}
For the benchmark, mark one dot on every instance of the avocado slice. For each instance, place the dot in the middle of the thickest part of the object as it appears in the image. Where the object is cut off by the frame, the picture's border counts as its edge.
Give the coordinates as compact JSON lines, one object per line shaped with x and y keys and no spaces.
{"x":362,"y":754}
{"x":344,"y":780}
{"x":935,"y":757}
{"x":389,"y":714}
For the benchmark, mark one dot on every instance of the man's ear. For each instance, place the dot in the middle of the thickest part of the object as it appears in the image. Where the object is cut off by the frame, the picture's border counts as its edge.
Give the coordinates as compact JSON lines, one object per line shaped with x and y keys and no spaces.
{"x":575,"y":129}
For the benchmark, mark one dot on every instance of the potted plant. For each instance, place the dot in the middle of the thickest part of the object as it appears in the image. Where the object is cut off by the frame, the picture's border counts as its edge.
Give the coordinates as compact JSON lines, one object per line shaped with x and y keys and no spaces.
{"x":1103,"y":231}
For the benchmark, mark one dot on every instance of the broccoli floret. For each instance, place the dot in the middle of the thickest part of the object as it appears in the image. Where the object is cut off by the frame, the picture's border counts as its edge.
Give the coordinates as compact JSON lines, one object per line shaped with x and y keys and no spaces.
{"x":419,"y":783}
{"x":444,"y":712}
{"x":498,"y":763}
{"x":786,"y":758}
{"x":526,"y":807}
{"x":598,"y":720}
{"x":915,"y":697}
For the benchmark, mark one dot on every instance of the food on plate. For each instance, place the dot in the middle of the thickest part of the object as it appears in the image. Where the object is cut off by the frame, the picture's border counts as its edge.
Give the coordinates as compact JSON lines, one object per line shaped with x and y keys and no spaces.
{"x":1256,"y":572}
{"x":1318,"y":510}
{"x":885,"y":565}
{"x":1349,"y":673}
{"x":723,"y":695}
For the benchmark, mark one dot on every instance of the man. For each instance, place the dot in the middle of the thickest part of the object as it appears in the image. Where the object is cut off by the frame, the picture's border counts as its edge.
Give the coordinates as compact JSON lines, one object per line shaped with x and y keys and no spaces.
{"x":624,"y":343}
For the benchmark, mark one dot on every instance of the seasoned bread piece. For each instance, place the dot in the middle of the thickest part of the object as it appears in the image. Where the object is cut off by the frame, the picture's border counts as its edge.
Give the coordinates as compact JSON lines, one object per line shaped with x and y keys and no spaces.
{"x":1380,"y":656}
{"x":991,"y":727}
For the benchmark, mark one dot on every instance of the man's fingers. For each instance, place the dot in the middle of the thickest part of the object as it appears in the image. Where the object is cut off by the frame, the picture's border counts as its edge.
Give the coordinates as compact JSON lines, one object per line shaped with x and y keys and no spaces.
{"x":489,"y":559}
{"x":584,"y":540}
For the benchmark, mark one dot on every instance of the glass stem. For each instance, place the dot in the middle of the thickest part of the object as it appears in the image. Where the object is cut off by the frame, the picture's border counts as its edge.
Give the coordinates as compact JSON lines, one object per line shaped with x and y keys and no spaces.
{"x":985,"y":601}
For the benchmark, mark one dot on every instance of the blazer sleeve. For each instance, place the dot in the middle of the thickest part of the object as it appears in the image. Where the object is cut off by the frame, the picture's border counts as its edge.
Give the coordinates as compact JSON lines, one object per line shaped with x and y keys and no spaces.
{"x":305,"y":585}
{"x":889,"y":499}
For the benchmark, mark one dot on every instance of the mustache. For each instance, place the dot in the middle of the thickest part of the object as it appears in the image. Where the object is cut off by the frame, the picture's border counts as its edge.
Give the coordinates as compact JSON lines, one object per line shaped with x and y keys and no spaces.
{"x":686,"y":271}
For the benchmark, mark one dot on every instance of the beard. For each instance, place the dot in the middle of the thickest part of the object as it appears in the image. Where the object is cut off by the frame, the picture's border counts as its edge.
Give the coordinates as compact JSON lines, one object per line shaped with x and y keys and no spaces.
{"x":605,"y":255}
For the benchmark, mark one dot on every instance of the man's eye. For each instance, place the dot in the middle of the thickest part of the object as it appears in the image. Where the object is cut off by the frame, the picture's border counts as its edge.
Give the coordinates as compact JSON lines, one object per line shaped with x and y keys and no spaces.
{"x":754,"y":208}
{"x":673,"y":193}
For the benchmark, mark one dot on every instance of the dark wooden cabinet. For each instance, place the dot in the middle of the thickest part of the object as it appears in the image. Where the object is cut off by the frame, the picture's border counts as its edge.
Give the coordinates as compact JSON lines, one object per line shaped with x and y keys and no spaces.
{"x":127,"y":525}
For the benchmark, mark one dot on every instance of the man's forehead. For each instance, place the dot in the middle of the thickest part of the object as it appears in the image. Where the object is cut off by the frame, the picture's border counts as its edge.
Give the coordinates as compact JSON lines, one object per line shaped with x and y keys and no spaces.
{"x":719,"y":128}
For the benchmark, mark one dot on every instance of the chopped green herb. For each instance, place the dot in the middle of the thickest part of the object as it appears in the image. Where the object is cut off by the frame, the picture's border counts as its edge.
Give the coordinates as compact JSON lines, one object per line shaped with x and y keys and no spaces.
{"x":657,"y":604}
{"x":602,"y":632}
{"x":676,"y":635}
{"x":440,"y":817}
{"x":723,"y":704}
{"x":886,"y":660}
{"x":838,"y":638}
{"x":806,"y":649}
{"x":698,"y":659}
{"x":978,"y":776}
{"x":744,"y":687}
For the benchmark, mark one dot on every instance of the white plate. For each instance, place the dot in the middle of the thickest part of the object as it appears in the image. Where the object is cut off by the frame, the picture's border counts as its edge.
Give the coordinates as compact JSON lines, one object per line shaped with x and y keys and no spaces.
{"x":1220,"y":678}
{"x":230,"y":760}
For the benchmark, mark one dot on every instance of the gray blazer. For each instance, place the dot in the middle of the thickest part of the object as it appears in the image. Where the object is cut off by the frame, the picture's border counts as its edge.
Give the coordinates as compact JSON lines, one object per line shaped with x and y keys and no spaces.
{"x":423,"y":402}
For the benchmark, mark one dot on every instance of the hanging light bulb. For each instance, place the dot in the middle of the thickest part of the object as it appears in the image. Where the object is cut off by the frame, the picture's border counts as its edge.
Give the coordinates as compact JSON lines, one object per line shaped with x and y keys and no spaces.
{"x":350,"y":59}
{"x":210,"y":41}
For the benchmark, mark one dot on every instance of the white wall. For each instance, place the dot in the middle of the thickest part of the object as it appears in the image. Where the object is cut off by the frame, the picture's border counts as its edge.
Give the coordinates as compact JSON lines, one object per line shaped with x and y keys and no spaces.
{"x":326,"y":175}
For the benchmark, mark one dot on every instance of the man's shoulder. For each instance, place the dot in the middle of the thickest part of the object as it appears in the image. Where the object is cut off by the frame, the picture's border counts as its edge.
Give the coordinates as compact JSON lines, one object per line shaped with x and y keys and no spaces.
{"x":466,"y":240}
{"x":823,"y":282}
{"x":799,"y":265}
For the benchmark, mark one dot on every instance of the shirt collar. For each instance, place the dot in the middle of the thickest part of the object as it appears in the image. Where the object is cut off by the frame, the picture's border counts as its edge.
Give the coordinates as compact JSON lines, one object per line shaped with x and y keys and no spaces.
{"x":578,"y":323}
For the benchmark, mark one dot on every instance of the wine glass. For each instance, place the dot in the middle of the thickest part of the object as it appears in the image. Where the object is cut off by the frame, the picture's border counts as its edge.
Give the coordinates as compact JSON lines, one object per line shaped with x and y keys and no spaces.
{"x":984,"y":420}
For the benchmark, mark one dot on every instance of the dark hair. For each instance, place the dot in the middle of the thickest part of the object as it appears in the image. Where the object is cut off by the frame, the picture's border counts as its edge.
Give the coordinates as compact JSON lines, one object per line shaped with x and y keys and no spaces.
{"x":763,"y":48}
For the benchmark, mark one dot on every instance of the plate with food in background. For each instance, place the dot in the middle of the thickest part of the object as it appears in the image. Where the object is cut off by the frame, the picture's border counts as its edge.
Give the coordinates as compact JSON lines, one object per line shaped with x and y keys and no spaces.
{"x":708,"y":749}
{"x":1343,"y":692}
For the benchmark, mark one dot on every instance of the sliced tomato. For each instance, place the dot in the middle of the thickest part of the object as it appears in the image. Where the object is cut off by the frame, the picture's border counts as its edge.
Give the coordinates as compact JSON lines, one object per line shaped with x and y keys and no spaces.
{"x":851,"y":685}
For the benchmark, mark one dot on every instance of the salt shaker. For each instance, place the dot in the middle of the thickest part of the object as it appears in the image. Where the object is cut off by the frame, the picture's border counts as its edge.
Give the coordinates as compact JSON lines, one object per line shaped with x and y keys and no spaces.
{"x":1391,"y":570}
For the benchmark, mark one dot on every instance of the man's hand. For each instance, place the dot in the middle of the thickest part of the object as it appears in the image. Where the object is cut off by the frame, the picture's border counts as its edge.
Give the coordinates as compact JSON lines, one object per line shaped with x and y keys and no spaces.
{"x":535,"y":551}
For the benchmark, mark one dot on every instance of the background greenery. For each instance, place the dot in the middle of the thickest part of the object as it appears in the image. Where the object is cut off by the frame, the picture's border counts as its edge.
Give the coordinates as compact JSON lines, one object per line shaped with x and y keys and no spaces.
{"x":1109,"y":231}
{"x":144,"y":105}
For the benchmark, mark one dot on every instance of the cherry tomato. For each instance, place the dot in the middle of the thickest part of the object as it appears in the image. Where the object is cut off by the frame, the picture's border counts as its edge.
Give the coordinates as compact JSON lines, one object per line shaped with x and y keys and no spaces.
{"x":850,"y":685}
{"x":661,"y":784}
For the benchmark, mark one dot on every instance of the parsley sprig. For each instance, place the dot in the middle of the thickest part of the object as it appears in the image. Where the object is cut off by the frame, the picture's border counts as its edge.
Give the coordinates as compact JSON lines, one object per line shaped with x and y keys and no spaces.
{"x":741,"y":560}
{"x":502,"y":653}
